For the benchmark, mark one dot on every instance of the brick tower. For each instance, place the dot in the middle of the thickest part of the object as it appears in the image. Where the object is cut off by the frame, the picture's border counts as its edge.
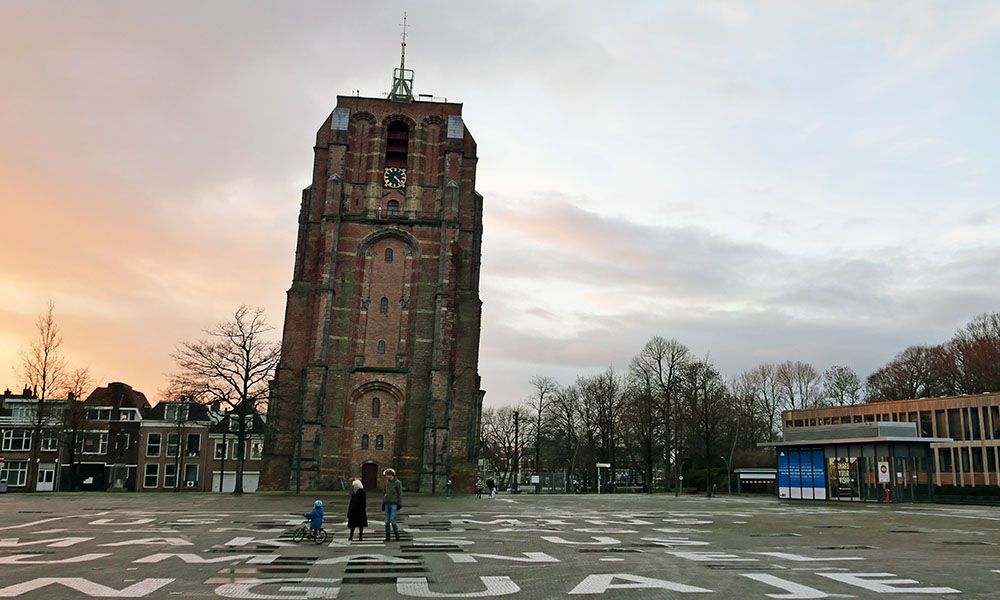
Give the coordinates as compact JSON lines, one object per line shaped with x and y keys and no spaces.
{"x":380,"y":349}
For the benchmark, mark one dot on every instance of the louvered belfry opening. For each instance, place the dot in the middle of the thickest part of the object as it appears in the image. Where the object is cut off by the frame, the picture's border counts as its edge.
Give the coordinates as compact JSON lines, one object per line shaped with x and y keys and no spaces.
{"x":397,"y":142}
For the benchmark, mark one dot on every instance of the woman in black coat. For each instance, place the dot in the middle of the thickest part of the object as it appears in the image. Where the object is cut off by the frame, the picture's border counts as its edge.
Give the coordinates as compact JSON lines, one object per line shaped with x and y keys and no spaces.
{"x":357,"y":511}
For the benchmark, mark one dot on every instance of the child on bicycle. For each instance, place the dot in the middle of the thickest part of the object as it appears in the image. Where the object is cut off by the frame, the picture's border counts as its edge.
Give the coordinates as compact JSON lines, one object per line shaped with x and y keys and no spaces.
{"x":315,"y":517}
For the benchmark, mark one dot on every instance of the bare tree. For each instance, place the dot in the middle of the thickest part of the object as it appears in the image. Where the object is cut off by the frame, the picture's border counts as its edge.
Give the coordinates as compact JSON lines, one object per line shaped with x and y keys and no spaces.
{"x":78,"y":383}
{"x":841,"y":386}
{"x":544,"y":388}
{"x":914,"y":373}
{"x":497,"y":443}
{"x":762,"y":382}
{"x":706,"y":411}
{"x":798,"y":383}
{"x":43,"y":368}
{"x":662,"y":360}
{"x":971,"y":359}
{"x":231,"y":366}
{"x":564,"y":418}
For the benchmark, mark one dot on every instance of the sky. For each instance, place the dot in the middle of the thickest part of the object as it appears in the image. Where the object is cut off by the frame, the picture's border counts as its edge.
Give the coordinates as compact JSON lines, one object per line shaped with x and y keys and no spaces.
{"x":762,"y":181}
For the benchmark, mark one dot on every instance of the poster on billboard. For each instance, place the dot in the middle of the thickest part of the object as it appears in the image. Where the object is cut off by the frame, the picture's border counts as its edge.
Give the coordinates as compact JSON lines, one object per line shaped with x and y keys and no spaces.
{"x":802,"y":474}
{"x":883,"y":472}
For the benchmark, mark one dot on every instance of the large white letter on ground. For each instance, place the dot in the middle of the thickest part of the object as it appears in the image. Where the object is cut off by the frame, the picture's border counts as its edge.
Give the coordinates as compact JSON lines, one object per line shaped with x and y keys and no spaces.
{"x":795,"y":591}
{"x":598,"y":584}
{"x":85,"y":586}
{"x":196,"y":559}
{"x":600,"y":540}
{"x":884,"y":583}
{"x":363,"y":558}
{"x":243,"y":589}
{"x":26,"y":559}
{"x":62,"y":542}
{"x":710,"y":556}
{"x":154,"y":541}
{"x":416,"y":587}
{"x":800,"y":558}
{"x":529,"y":557}
{"x":114,"y":522}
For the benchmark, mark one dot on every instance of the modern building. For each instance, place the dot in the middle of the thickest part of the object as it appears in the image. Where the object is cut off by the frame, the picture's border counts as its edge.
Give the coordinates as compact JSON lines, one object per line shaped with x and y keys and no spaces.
{"x":972,"y":455}
{"x":861,"y":462}
{"x":380,"y":349}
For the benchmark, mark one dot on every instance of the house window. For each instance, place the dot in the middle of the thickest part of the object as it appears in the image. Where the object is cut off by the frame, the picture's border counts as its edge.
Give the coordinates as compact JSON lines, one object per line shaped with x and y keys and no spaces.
{"x":393,"y":208}
{"x":383,"y":306}
{"x":16,"y":439}
{"x":376,"y":407}
{"x":379,"y":442}
{"x":15,"y":472}
{"x":50,"y":443}
{"x":364,"y":442}
{"x":176,"y":413}
{"x":193,"y":447}
{"x":381,"y":346}
{"x":22,"y":413}
{"x":152,"y":476}
{"x":153,"y":445}
{"x":256,"y":449}
{"x":93,"y":442}
{"x":190,"y":475}
{"x":169,"y":476}
{"x":220,"y":450}
{"x":99,"y":414}
{"x":173,"y":444}
{"x":388,"y":255}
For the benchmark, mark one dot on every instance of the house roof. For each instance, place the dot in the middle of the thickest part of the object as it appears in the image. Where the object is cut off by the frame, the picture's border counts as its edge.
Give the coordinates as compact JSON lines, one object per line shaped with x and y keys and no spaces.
{"x":117,"y":394}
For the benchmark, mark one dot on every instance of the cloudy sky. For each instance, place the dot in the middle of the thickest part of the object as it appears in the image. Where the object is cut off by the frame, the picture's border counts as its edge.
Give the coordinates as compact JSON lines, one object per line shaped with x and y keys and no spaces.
{"x":760,"y":180}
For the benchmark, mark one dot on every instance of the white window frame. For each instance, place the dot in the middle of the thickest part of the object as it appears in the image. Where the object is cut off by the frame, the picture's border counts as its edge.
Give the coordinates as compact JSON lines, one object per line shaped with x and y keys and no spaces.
{"x":50,"y":443}
{"x":259,"y":453}
{"x":173,"y":482}
{"x":158,"y":445}
{"x":197,"y":473}
{"x":155,"y":474}
{"x":187,"y":439}
{"x":23,"y":413}
{"x":9,"y":438}
{"x":226,"y":452}
{"x":15,"y":477}
{"x":102,"y":442}
{"x":177,"y":446}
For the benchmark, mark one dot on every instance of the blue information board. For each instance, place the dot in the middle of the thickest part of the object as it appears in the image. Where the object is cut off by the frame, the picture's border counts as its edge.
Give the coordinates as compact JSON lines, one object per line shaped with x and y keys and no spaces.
{"x":802,"y":473}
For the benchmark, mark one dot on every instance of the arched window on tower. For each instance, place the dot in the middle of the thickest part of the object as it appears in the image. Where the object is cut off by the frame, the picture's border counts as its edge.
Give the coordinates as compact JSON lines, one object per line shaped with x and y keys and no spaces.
{"x":392,"y":208}
{"x":388,"y":255}
{"x":364,"y":442}
{"x":397,"y":142}
{"x":376,"y":407}
{"x":381,"y":346}
{"x":383,"y":305}
{"x":379,"y":442}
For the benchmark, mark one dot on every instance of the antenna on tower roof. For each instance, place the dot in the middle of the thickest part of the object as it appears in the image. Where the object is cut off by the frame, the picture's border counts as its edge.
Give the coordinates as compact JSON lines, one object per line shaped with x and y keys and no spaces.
{"x":402,"y":78}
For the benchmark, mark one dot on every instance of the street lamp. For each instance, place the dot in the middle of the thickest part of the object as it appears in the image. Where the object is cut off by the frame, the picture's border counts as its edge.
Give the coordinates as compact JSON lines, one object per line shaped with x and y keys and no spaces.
{"x":729,"y":477}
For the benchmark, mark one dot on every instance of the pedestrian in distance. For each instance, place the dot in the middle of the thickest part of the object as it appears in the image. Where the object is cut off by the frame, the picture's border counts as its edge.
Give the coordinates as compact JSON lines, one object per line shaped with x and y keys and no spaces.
{"x":392,"y":501}
{"x":479,"y":488}
{"x":315,"y":517}
{"x":357,"y":511}
{"x":491,"y":486}
{"x":447,"y":489}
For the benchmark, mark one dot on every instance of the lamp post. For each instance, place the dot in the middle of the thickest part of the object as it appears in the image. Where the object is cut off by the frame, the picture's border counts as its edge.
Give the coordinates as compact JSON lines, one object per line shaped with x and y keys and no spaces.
{"x":516,"y":451}
{"x":729,"y":476}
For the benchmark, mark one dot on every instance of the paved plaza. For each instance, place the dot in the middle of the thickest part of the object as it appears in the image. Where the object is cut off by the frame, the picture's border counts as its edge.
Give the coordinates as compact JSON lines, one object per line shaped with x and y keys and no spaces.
{"x":623,"y":546}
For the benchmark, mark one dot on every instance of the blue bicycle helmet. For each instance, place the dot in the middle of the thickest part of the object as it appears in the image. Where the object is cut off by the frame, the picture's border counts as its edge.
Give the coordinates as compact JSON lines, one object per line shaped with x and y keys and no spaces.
{"x":319,"y":503}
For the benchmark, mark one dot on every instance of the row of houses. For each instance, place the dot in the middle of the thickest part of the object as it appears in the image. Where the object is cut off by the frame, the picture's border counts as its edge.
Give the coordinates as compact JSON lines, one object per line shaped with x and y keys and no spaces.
{"x":116,"y":440}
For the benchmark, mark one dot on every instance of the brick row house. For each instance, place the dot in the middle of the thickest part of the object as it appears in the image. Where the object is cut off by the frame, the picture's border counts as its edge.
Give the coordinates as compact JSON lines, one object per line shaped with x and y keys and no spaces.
{"x":116,"y":440}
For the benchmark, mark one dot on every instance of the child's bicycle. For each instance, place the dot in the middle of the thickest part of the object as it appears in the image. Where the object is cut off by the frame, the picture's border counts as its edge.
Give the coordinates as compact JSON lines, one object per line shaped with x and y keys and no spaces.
{"x":304,"y":532}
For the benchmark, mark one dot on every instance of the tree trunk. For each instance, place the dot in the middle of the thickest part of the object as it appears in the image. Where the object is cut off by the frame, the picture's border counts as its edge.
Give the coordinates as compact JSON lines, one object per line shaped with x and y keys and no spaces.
{"x":241,"y":440}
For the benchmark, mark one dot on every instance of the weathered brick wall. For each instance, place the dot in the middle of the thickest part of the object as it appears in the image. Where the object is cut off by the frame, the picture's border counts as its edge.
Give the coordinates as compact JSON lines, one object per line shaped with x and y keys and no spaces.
{"x":331,"y":366}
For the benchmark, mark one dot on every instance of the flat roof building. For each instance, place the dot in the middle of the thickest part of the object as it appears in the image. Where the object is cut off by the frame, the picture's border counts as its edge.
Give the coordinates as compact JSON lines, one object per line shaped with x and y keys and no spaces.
{"x":969,"y":458}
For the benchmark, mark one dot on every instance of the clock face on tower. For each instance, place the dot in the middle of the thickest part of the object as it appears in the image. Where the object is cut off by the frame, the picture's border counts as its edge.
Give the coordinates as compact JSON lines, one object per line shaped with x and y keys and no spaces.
{"x":394,"y":177}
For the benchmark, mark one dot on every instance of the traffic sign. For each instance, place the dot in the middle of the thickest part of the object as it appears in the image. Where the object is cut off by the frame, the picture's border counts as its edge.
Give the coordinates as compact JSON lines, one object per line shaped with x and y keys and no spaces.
{"x":883,"y":472}
{"x":603,"y":465}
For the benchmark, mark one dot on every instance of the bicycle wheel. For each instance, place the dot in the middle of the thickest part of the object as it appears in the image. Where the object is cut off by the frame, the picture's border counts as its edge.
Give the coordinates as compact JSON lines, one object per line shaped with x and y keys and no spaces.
{"x":320,"y":537}
{"x":299,"y":534}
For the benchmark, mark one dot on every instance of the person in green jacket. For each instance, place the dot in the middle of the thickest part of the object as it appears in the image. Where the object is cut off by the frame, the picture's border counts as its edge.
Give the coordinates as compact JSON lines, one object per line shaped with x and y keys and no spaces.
{"x":392,"y":501}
